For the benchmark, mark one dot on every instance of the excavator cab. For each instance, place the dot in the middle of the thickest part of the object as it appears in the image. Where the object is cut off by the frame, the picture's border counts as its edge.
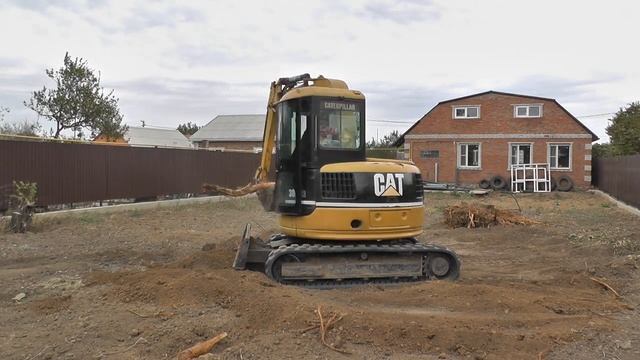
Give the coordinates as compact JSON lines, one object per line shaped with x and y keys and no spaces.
{"x":314,"y":131}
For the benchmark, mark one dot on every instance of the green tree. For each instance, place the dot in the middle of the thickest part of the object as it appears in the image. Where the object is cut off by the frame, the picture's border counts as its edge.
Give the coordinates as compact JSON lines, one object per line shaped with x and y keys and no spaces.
{"x":387,"y":141}
{"x":624,"y":130}
{"x":78,"y":101}
{"x":25,"y":127}
{"x":601,"y":150}
{"x":188,"y":128}
{"x":384,"y":147}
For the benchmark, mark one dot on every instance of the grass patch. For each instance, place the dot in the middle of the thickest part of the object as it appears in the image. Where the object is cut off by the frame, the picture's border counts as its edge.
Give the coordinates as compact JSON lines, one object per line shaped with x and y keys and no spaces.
{"x":135,"y":214}
{"x":90,"y":218}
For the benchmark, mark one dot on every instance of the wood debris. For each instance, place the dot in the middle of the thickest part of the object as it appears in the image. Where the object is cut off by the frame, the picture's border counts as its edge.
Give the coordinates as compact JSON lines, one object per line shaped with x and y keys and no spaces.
{"x":605,"y":285}
{"x":201,"y":348}
{"x":245,"y":190}
{"x":481,"y":215}
{"x":324,"y":326}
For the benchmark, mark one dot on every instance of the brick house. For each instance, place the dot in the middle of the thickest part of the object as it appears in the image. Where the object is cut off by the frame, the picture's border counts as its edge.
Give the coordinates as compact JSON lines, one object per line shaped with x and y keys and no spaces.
{"x":476,"y":137}
{"x":231,"y":132}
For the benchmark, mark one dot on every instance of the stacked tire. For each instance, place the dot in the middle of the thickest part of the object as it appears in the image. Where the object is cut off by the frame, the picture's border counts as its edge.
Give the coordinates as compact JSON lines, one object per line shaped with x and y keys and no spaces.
{"x":564,"y":183}
{"x":497,"y":182}
{"x":484,"y":184}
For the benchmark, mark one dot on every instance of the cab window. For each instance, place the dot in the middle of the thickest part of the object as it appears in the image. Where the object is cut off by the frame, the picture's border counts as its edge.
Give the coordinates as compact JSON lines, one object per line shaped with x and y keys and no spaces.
{"x":338,"y":126}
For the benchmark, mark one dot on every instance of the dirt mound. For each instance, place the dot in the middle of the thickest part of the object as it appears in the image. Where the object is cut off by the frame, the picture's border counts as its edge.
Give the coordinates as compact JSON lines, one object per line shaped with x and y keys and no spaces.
{"x":480,"y":215}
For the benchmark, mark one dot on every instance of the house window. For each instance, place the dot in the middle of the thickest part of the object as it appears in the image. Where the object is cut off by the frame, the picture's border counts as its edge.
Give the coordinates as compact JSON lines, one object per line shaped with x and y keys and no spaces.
{"x":466,"y":112}
{"x":527,"y":111}
{"x":559,"y":156}
{"x":427,"y":154}
{"x":469,"y":155}
{"x":520,"y":154}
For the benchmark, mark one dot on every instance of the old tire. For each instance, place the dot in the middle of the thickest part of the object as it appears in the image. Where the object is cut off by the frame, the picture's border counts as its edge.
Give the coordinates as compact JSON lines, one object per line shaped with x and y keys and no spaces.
{"x":484,"y":184}
{"x":564,"y":183}
{"x":498,"y":182}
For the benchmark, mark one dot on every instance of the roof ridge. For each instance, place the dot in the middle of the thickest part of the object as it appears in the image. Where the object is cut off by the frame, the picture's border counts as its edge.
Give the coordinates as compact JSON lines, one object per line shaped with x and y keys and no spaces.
{"x":400,"y":139}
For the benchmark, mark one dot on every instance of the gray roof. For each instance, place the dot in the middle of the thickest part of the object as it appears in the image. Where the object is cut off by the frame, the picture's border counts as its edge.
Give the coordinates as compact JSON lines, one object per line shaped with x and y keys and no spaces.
{"x":146,"y":136}
{"x":232,"y":128}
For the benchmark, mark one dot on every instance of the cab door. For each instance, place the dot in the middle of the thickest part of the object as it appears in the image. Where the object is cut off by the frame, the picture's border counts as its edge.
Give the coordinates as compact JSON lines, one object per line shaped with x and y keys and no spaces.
{"x":293,"y":145}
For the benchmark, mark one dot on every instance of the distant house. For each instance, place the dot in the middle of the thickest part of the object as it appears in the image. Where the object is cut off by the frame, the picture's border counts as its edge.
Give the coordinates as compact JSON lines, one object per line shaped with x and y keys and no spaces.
{"x":235,"y":132}
{"x":476,"y":137}
{"x":149,"y":137}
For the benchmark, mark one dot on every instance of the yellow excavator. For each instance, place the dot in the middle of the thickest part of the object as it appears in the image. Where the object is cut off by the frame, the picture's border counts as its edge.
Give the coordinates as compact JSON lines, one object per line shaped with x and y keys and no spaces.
{"x":345,"y":219}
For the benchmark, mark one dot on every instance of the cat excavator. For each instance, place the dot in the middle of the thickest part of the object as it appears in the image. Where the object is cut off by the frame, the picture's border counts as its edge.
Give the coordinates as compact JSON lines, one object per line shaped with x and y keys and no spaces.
{"x":345,"y":219}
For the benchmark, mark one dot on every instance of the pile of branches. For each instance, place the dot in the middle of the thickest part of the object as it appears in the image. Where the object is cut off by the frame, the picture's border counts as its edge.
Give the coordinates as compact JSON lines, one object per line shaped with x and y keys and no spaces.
{"x":481,"y":215}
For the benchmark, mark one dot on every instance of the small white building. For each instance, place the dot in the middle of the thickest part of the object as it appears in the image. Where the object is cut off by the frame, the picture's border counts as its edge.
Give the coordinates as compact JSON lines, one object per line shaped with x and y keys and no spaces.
{"x":155,"y":137}
{"x":231,"y":132}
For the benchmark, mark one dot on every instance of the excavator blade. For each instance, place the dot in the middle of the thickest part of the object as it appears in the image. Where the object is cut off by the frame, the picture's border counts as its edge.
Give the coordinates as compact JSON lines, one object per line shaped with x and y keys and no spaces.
{"x":252,"y":253}
{"x":240,"y":262}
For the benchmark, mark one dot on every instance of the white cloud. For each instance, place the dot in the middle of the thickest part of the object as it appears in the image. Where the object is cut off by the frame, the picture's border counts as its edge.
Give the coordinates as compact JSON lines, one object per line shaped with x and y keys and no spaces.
{"x":171,"y":61}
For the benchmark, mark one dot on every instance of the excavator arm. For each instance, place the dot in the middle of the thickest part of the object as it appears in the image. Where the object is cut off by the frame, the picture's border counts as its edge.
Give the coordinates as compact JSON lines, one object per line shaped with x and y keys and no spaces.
{"x":260,"y":183}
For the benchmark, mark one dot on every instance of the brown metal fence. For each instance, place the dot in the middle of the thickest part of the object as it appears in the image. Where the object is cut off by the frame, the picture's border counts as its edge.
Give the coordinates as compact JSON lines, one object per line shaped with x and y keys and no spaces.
{"x":72,"y":173}
{"x":619,"y":177}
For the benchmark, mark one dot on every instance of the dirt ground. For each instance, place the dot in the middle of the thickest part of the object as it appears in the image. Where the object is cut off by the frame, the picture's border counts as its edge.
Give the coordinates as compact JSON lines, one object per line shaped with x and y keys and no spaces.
{"x":147,"y":284}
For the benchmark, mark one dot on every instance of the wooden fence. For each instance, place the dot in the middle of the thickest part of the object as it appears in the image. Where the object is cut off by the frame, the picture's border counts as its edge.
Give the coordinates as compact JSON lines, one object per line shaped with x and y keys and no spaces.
{"x":619,"y":177}
{"x":73,"y":173}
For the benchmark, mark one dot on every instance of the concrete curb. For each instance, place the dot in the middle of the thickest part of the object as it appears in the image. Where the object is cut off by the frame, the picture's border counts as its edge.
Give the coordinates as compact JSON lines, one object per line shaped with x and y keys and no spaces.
{"x":135,"y":206}
{"x":619,"y":203}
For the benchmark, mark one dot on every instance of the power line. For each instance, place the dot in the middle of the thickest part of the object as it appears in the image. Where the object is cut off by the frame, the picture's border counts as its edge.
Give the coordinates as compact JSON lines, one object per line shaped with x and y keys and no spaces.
{"x":393,"y":121}
{"x":594,"y":115}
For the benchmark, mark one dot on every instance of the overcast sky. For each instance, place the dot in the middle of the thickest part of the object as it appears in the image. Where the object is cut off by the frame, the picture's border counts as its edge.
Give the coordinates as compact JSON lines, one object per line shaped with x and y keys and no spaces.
{"x":177,"y":61}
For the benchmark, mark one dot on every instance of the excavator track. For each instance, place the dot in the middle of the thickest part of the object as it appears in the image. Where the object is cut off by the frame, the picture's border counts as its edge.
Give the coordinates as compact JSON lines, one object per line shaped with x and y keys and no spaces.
{"x":331,"y":266}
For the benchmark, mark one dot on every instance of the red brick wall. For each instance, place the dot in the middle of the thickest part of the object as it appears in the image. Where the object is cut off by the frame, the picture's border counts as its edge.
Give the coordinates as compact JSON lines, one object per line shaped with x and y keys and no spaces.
{"x":494,"y":160}
{"x":496,"y":118}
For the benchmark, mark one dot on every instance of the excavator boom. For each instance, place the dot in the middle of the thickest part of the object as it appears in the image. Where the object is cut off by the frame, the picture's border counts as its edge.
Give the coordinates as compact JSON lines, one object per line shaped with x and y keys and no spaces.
{"x":261,"y":184}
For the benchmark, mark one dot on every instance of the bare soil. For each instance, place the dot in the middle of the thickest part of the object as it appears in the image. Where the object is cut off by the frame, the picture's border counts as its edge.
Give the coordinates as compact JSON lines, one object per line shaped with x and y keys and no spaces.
{"x":148,"y":284}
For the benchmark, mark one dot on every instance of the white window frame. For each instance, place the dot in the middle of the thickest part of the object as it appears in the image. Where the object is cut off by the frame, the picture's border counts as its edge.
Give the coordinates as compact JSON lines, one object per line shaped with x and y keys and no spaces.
{"x":459,"y":152}
{"x":465,"y":107}
{"x":549,"y":145}
{"x":530,"y":144}
{"x":528,"y":107}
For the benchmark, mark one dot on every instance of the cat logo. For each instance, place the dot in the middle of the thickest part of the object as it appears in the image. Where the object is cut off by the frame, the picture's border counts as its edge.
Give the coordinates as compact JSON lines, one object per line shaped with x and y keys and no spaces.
{"x":387,"y":184}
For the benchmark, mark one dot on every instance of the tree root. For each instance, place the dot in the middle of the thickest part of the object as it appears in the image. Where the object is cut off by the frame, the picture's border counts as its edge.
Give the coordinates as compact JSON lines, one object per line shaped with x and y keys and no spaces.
{"x":324,"y":327}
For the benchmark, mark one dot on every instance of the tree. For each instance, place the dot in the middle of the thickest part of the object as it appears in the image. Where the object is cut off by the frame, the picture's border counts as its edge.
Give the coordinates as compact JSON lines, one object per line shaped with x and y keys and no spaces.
{"x":78,"y":101}
{"x":25,"y":127}
{"x":3,"y":111}
{"x":188,"y":128}
{"x":601,"y":150}
{"x":624,"y":130}
{"x":386,"y":142}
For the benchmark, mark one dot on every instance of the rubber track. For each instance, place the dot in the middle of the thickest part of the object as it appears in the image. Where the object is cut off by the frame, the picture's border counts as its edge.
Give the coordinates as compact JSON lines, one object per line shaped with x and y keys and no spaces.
{"x":315,"y":249}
